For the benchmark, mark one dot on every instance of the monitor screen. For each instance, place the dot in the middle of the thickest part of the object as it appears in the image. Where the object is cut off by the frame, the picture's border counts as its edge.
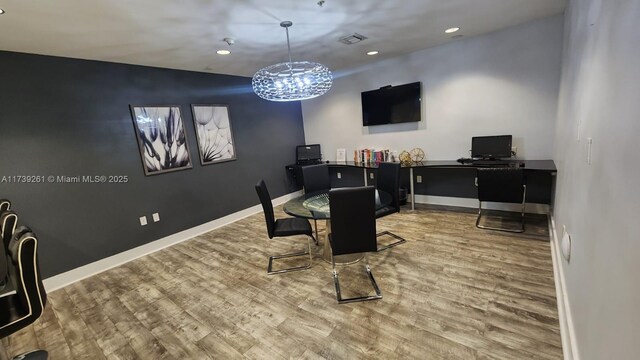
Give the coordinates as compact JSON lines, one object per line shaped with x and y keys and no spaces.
{"x":391,"y":105}
{"x":491,"y":147}
{"x":308,"y":152}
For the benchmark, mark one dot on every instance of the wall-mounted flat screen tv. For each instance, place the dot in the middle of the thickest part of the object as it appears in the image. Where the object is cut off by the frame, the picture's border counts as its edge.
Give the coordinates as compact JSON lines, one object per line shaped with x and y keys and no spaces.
{"x":391,"y":105}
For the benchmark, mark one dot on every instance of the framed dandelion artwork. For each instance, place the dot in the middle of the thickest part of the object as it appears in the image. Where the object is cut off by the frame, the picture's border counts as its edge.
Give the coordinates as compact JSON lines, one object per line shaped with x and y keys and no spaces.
{"x":213,"y":131}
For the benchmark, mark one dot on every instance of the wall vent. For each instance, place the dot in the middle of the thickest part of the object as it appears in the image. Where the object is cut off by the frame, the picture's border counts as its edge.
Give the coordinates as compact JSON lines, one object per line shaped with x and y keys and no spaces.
{"x":352,"y":39}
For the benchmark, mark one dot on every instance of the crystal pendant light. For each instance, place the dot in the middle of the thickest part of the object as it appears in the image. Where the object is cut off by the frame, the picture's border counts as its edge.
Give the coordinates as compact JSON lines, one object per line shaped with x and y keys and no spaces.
{"x":292,"y":80}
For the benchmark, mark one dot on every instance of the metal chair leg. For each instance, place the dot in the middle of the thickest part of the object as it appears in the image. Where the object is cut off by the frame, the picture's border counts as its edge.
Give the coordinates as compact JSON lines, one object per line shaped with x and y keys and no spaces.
{"x":336,"y":282}
{"x":400,"y":239}
{"x":500,"y":229}
{"x":284,"y":256}
{"x":316,"y":239}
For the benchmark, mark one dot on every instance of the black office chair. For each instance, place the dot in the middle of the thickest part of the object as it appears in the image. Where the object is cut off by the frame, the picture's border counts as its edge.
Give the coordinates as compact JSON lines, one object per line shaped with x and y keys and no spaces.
{"x":316,"y":178}
{"x":504,"y":184}
{"x":389,"y":182}
{"x":282,"y":228}
{"x":27,"y":304}
{"x":353,"y":231}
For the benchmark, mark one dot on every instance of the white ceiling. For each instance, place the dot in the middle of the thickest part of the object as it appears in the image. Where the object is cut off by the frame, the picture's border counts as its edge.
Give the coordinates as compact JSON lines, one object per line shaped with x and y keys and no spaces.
{"x":185,"y":34}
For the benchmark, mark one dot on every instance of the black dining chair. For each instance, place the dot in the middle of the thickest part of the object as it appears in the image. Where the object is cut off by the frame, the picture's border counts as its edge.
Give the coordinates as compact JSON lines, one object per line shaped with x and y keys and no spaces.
{"x":25,"y":306}
{"x":389,"y":182}
{"x":501,"y":184}
{"x":283,"y":228}
{"x":353,"y":231}
{"x":316,"y":179}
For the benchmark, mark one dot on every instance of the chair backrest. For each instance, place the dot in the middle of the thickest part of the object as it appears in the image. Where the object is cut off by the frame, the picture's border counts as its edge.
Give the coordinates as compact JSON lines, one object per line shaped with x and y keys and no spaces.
{"x":353,"y":220}
{"x":501,"y":184}
{"x":267,"y":206}
{"x":5,"y":205}
{"x":27,"y":304}
{"x":389,"y":181}
{"x":8,"y":223}
{"x":316,"y":178}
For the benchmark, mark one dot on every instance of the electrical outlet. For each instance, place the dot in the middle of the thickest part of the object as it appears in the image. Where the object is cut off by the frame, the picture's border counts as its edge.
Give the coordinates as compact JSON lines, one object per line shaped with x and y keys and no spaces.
{"x":156,"y":217}
{"x":419,"y":179}
{"x":339,"y":175}
{"x":370,"y":175}
{"x":514,"y":150}
{"x":143,"y":220}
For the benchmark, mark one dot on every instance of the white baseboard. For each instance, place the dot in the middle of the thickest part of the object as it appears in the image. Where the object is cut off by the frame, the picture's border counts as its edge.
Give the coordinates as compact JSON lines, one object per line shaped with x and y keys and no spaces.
{"x":567,"y":330}
{"x":85,"y":271}
{"x":473,"y":203}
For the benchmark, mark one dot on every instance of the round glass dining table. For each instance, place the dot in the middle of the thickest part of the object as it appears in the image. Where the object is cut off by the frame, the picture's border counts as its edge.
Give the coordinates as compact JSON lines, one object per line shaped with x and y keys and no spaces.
{"x":316,"y":206}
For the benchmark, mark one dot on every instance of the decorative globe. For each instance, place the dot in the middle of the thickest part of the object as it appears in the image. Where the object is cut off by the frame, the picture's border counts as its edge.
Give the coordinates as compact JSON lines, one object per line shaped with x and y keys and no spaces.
{"x":291,"y":81}
{"x":417,"y":155}
{"x":405,"y":158}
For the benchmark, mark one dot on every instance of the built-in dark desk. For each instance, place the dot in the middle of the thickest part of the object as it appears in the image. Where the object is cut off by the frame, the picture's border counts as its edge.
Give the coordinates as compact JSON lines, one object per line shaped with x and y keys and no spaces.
{"x":447,"y":178}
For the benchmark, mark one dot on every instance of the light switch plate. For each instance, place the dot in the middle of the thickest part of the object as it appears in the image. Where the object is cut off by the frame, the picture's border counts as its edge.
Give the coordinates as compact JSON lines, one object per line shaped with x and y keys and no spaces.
{"x":339,"y":175}
{"x":156,"y":217}
{"x":143,"y":220}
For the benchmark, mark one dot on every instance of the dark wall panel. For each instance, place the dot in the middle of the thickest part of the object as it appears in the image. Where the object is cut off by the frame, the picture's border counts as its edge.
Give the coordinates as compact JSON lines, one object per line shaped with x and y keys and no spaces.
{"x":71,"y":117}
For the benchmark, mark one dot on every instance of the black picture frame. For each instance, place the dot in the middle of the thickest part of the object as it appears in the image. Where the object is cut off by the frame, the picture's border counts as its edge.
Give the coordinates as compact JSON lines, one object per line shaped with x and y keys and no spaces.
{"x":162,"y":138}
{"x":214,"y":133}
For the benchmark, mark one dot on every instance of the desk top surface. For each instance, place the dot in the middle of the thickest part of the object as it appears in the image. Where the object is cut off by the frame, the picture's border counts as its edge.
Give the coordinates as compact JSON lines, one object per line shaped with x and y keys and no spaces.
{"x":536,"y":165}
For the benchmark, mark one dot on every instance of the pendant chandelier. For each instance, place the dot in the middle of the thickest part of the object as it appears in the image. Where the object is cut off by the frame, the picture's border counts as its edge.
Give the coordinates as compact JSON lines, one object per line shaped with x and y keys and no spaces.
{"x":292,"y":80}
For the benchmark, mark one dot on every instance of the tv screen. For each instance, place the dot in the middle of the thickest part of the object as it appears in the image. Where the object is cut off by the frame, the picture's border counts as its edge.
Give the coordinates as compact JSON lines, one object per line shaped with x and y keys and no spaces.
{"x":391,"y":105}
{"x":491,"y":147}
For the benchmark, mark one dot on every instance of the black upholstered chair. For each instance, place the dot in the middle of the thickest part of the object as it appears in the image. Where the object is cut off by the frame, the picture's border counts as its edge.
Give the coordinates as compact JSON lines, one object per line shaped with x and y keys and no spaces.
{"x":315,"y":179}
{"x":283,"y":228}
{"x":389,"y":182}
{"x":501,"y":184}
{"x":353,"y":231}
{"x":25,"y":306}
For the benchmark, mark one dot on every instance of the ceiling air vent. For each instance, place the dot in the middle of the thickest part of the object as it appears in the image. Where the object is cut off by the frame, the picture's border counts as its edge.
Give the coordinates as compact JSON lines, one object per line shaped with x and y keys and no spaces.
{"x":352,"y":39}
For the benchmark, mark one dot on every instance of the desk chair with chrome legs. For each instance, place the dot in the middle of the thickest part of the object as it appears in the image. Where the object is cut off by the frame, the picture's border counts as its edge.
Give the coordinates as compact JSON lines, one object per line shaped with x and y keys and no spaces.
{"x":283,"y":228}
{"x":501,"y":184}
{"x":389,"y":182}
{"x":315,"y":179}
{"x":353,"y":231}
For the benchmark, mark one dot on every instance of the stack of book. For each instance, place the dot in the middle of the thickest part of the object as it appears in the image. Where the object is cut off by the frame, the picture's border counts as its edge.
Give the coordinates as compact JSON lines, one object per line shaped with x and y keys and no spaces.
{"x":370,"y":156}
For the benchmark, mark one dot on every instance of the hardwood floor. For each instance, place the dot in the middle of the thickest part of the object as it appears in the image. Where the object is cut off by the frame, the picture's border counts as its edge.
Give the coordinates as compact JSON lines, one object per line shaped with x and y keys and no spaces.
{"x":451,"y":292}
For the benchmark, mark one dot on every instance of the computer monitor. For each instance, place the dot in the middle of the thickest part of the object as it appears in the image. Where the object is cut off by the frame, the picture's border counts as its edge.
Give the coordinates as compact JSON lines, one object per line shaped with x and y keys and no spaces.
{"x":491,"y":147}
{"x":308,"y":153}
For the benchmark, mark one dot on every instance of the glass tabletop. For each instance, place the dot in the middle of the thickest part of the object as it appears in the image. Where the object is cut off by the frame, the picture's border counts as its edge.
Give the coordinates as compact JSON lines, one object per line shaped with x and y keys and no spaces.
{"x":316,"y":205}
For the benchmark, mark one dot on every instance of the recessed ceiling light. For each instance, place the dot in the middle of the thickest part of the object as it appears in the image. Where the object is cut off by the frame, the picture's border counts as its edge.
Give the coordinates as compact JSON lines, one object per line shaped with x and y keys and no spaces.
{"x":375,"y":52}
{"x":1,"y":11}
{"x":452,"y":30}
{"x":223,"y":52}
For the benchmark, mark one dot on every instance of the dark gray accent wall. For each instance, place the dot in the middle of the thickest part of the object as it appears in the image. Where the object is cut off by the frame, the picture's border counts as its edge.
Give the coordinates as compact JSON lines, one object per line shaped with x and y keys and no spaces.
{"x":71,"y":117}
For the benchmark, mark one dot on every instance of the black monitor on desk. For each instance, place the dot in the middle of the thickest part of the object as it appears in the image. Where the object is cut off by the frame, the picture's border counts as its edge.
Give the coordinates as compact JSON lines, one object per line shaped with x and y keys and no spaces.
{"x":491,"y":147}
{"x":308,"y":154}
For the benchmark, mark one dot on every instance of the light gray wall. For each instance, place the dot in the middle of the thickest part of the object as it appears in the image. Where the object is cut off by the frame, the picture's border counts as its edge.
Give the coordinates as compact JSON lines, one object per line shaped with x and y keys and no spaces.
{"x":600,"y":203}
{"x":501,"y":83}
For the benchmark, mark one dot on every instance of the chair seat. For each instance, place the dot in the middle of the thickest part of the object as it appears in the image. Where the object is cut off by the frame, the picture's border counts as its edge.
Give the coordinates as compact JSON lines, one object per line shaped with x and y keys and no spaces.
{"x":292,"y":226}
{"x":387,"y":210}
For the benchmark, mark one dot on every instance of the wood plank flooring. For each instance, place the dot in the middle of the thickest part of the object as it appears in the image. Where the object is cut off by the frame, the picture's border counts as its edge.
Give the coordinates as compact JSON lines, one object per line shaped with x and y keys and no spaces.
{"x":451,"y":292}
